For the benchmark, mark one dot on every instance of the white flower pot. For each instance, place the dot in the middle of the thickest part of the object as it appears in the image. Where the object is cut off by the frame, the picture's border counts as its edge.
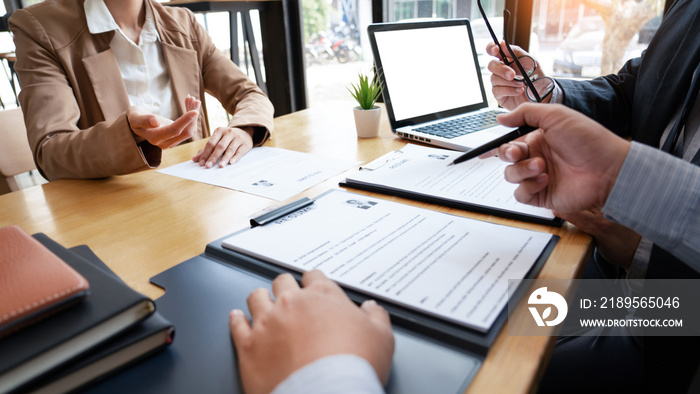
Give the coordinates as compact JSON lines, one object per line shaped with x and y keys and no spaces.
{"x":367,"y":121}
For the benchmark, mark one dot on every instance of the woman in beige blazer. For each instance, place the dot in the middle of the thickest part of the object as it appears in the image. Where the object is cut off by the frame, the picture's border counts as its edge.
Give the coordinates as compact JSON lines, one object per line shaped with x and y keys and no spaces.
{"x":79,"y":118}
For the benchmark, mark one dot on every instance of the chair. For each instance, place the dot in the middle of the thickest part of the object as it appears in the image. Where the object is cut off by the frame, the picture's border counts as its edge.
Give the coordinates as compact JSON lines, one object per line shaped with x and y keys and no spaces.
{"x":15,"y":155}
{"x":10,"y":58}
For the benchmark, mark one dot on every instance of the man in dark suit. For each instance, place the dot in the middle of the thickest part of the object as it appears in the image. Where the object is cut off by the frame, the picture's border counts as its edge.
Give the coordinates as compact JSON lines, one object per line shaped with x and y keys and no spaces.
{"x":642,"y":102}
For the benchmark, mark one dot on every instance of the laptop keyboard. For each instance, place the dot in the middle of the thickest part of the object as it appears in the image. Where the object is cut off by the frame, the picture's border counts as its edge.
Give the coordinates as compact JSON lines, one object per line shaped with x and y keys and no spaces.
{"x":461,"y":126}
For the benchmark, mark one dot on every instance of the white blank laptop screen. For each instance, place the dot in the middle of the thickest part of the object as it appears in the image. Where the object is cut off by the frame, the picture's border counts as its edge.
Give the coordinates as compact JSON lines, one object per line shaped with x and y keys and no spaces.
{"x":428,"y":70}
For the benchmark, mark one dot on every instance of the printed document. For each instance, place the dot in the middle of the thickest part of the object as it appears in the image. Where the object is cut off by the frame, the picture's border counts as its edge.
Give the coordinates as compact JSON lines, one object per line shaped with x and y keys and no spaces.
{"x":426,"y":171}
{"x":273,"y":173}
{"x":443,"y":265}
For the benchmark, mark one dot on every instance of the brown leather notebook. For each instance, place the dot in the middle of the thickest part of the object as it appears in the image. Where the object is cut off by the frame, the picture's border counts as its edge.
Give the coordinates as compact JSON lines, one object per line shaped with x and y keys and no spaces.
{"x":34,"y":282}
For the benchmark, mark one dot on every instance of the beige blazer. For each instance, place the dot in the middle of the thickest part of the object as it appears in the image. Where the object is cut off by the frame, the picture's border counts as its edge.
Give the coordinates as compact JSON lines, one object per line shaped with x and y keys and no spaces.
{"x":74,"y":99}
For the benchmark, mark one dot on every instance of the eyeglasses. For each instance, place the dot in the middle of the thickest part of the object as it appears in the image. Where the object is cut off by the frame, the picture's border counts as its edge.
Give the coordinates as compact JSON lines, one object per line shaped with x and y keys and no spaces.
{"x":537,"y":87}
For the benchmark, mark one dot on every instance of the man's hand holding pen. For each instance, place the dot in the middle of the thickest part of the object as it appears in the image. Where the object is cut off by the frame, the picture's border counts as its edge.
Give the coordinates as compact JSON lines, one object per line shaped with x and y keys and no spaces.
{"x":569,"y":164}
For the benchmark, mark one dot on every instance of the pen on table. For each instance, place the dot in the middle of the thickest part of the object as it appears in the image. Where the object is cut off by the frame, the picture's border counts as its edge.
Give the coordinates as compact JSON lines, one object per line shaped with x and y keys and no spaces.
{"x":508,"y":137}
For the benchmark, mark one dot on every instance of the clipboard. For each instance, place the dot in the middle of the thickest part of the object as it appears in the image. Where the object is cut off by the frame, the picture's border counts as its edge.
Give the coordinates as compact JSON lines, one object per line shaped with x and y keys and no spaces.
{"x":395,"y":158}
{"x":444,"y":331}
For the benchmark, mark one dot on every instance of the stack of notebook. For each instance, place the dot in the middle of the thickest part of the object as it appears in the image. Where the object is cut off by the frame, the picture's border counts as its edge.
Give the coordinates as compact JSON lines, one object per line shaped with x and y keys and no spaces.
{"x":66,"y":320}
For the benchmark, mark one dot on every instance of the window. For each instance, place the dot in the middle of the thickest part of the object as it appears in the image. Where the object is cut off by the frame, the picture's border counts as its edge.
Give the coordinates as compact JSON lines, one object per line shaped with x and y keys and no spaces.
{"x":574,"y":39}
{"x":330,"y":24}
{"x":336,"y":48}
{"x":570,"y":38}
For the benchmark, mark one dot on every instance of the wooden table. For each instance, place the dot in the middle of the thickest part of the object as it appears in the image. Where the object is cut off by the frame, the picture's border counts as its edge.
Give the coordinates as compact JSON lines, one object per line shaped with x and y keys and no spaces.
{"x":144,"y":223}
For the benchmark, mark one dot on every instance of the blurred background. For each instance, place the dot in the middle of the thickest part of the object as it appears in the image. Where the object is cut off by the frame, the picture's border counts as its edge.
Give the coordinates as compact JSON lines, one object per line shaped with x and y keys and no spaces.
{"x":570,"y":38}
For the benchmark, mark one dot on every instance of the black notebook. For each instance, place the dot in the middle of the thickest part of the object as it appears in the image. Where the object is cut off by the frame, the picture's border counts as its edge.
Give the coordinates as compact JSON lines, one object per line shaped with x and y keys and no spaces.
{"x":111,"y":308}
{"x":137,"y":343}
{"x":150,"y":336}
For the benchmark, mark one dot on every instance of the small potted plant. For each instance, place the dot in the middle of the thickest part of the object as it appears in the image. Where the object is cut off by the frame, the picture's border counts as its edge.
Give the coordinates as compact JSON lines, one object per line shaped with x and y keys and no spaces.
{"x":367,"y":114}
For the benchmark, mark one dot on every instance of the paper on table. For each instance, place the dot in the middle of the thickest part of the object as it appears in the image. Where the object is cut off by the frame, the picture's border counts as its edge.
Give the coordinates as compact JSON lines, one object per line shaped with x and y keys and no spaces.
{"x":443,"y":265}
{"x":425,"y":171}
{"x":268,"y":172}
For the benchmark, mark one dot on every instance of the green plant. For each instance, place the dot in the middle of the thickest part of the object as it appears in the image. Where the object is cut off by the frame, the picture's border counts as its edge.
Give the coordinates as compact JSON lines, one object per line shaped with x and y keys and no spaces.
{"x":366,"y":92}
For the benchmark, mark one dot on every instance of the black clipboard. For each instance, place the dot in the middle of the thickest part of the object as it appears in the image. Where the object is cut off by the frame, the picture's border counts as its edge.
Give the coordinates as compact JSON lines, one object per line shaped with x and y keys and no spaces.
{"x":557,"y":222}
{"x":432,"y":327}
{"x":447,"y":202}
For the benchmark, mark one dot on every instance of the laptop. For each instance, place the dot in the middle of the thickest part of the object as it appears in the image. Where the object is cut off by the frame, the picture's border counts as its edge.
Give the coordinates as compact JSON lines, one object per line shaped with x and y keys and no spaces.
{"x":433,"y":88}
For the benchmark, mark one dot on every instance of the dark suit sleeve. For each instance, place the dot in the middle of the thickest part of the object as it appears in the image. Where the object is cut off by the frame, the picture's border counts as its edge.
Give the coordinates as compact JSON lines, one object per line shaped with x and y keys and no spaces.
{"x":606,"y":99}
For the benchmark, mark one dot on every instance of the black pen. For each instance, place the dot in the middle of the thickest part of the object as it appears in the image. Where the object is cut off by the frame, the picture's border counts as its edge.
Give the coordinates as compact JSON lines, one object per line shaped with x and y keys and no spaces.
{"x":508,"y":137}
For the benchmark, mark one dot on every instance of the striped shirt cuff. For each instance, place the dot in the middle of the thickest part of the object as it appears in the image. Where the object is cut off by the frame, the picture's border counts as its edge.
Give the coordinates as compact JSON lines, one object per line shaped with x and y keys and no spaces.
{"x":658,"y":196}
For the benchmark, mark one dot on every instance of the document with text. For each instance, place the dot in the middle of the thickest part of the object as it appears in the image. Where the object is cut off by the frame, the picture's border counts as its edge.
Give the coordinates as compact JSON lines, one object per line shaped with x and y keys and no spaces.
{"x":443,"y":265}
{"x":423,"y":172}
{"x":273,"y":173}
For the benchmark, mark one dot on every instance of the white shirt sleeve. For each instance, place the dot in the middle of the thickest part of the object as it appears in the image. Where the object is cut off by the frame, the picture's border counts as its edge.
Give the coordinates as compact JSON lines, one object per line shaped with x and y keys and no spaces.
{"x":658,"y":196}
{"x":557,"y":94}
{"x":341,"y":373}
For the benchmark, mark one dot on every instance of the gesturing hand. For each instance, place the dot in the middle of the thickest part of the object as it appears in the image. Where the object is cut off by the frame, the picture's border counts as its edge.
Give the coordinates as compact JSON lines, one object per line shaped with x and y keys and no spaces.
{"x":303,"y":325}
{"x":161,"y":132}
